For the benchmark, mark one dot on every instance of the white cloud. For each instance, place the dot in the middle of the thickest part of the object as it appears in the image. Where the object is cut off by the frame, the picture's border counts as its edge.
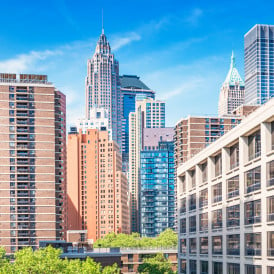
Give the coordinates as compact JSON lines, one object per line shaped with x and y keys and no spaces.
{"x":119,"y":42}
{"x":25,"y":62}
{"x":190,"y":85}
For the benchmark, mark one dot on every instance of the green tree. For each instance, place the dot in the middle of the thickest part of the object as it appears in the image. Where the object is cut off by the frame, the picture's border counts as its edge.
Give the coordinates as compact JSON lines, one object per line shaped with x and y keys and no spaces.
{"x":167,"y":238}
{"x":156,"y":265}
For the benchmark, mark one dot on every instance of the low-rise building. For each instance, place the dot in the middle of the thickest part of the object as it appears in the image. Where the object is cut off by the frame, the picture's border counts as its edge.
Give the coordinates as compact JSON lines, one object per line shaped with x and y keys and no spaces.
{"x":226,"y":201}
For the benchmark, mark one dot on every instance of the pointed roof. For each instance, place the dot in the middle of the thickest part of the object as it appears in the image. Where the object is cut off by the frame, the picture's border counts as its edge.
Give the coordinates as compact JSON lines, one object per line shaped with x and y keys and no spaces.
{"x":103,"y":44}
{"x":233,"y":77}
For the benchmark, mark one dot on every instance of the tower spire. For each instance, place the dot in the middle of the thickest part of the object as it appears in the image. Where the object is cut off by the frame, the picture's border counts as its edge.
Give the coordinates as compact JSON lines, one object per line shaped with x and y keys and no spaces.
{"x":102,"y":21}
{"x":232,"y":60}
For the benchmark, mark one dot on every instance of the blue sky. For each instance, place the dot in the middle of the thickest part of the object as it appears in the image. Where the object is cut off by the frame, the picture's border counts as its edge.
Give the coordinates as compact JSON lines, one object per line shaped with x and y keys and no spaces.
{"x":180,"y":49}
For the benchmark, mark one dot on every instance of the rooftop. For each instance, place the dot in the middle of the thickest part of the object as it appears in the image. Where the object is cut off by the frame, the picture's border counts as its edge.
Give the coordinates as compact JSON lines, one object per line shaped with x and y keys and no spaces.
{"x":132,"y":82}
{"x":233,"y":77}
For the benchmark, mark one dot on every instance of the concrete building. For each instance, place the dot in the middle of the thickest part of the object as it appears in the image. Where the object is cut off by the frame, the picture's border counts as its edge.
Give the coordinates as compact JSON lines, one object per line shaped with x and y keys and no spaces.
{"x":97,"y":188}
{"x":103,"y":88}
{"x":132,"y":89}
{"x":32,"y":161}
{"x":193,"y":134}
{"x":98,"y":119}
{"x":149,"y":113}
{"x":259,"y":64}
{"x":225,"y":198}
{"x":157,"y":173}
{"x":232,"y":91}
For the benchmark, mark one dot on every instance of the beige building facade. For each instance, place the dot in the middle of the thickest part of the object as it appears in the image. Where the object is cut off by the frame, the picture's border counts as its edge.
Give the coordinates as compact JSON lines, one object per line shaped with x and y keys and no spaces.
{"x":225,"y":201}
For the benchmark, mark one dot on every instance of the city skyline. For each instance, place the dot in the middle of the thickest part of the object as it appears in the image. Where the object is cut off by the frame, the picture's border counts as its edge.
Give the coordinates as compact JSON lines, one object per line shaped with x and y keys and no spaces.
{"x":190,"y":57}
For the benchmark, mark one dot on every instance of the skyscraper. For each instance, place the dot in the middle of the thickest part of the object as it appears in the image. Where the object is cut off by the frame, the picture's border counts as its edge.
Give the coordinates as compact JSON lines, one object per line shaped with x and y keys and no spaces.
{"x":232,"y":91}
{"x":259,"y":64}
{"x":97,"y":188}
{"x":102,"y":86}
{"x":32,"y":162}
{"x":132,"y":89}
{"x":149,"y":113}
{"x":157,"y":182}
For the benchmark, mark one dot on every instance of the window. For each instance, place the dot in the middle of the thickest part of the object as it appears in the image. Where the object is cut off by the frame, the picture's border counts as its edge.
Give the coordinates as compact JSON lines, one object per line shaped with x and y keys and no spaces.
{"x":203,"y":245}
{"x":253,"y":244}
{"x":192,"y":267}
{"x":183,"y":225}
{"x":253,"y":180}
{"x":272,"y":134}
{"x":253,"y":269}
{"x":253,"y":212}
{"x":270,"y":243}
{"x":233,"y":268}
{"x":217,"y":247}
{"x":270,"y":270}
{"x":204,"y":172}
{"x":192,"y":246}
{"x":217,"y":193}
{"x":233,"y":216}
{"x":183,"y":205}
{"x":183,"y":266}
{"x":203,"y":199}
{"x":234,"y":156}
{"x":192,"y":175}
{"x":183,"y":183}
{"x":204,"y":221}
{"x":204,"y":267}
{"x":270,"y":173}
{"x":218,"y":164}
{"x":192,"y":202}
{"x":254,"y":145}
{"x":217,"y":219}
{"x":270,"y":209}
{"x":233,"y":187}
{"x":217,"y":268}
{"x":233,"y":244}
{"x":192,"y":224}
{"x":183,"y":246}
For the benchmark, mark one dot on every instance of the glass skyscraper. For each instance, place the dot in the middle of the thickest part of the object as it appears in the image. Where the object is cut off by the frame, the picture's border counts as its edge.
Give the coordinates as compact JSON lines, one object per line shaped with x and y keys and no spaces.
{"x":157,"y":195}
{"x":132,"y":89}
{"x":259,"y":64}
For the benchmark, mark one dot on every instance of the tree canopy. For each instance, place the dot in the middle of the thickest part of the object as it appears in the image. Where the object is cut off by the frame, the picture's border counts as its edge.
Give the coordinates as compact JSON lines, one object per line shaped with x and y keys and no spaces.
{"x":167,"y":238}
{"x":47,"y":261}
{"x":156,"y":265}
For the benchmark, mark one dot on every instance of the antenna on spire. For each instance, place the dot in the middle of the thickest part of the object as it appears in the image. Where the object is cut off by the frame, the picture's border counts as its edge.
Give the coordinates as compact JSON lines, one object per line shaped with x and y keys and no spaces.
{"x":102,"y":21}
{"x":232,"y":59}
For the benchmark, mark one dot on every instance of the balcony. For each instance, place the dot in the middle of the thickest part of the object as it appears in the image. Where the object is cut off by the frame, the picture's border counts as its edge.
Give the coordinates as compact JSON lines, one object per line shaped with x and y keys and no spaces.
{"x":254,"y":187}
{"x":252,"y":251}
{"x":252,"y":220}
{"x":22,"y":154}
{"x":22,"y":122}
{"x":233,"y":194}
{"x":22,"y":114}
{"x":233,"y":251}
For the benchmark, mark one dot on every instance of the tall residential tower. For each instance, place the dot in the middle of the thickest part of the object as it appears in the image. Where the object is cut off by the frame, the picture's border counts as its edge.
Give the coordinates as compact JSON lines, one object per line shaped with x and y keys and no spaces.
{"x":32,"y":161}
{"x":149,"y":113}
{"x":259,"y":64}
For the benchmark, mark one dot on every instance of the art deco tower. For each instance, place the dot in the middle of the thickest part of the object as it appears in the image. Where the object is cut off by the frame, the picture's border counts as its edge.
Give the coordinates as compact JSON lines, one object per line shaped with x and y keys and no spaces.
{"x":232,"y":91}
{"x":102,"y":85}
